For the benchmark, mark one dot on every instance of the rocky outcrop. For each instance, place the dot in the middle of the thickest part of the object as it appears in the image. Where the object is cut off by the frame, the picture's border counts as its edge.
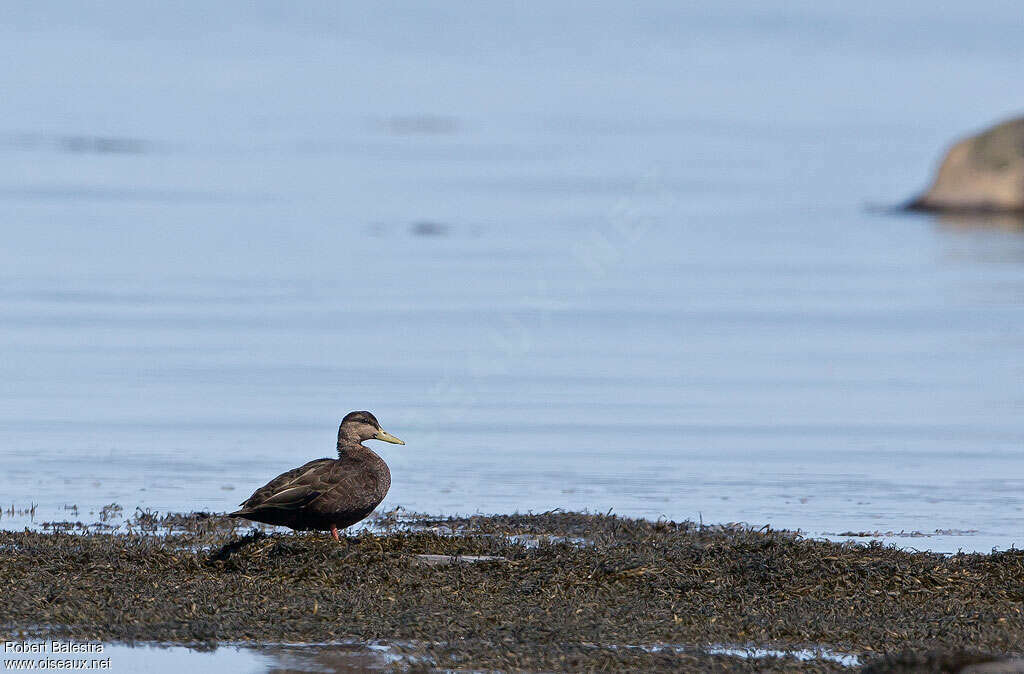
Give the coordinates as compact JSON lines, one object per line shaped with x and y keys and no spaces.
{"x":982,"y":173}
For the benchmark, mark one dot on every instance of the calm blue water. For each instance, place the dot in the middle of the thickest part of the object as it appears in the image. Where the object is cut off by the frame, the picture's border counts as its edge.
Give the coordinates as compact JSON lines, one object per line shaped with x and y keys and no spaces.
{"x":603,"y":257}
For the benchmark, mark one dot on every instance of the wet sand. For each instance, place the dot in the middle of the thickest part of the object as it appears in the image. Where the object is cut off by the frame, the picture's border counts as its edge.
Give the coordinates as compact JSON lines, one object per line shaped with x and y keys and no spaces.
{"x":558,"y":591}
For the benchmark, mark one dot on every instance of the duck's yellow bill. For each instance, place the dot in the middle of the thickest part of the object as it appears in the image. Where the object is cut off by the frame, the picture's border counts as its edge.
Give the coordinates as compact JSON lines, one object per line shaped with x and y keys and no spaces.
{"x":387,"y":437}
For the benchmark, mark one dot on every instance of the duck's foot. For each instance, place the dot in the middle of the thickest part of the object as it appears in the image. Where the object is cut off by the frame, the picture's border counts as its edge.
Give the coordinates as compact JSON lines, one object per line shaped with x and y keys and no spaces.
{"x":334,"y":532}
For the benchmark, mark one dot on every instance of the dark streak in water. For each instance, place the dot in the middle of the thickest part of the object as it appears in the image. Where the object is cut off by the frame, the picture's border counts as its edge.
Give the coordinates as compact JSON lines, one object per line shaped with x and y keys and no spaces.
{"x":77,"y":144}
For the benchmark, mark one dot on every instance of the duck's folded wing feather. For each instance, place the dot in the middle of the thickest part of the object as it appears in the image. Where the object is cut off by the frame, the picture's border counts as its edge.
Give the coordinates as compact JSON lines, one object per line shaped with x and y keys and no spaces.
{"x":289,"y":498}
{"x":303,"y":475}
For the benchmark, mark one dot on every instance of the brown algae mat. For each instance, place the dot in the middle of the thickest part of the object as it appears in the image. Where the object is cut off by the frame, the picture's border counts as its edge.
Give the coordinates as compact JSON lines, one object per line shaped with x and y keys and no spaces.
{"x":567,"y":592}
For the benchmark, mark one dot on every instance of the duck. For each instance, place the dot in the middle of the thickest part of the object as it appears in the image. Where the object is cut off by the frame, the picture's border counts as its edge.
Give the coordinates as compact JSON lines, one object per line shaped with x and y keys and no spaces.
{"x":327,"y":494}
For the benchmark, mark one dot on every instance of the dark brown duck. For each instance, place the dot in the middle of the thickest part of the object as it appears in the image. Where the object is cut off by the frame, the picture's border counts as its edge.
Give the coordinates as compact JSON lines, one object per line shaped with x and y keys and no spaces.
{"x":327,"y":494}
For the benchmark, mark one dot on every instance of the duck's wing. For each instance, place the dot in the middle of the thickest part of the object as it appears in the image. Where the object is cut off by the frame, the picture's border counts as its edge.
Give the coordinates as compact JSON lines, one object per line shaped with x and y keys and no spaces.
{"x":291,"y":489}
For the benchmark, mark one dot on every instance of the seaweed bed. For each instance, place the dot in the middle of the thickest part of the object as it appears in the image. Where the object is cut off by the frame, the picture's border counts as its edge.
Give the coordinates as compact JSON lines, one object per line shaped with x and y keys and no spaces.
{"x":570,"y":592}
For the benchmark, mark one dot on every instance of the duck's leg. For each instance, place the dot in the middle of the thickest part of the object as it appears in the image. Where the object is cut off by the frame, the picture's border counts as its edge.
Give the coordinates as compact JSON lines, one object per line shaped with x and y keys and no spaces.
{"x":334,"y":532}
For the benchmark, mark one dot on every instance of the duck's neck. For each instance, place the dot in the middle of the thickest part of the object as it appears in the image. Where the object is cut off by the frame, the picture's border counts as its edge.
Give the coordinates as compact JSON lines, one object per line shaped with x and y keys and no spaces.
{"x":353,"y":447}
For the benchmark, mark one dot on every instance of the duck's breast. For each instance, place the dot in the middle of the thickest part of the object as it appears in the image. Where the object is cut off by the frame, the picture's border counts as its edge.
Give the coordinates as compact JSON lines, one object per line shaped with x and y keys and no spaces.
{"x":357,"y":485}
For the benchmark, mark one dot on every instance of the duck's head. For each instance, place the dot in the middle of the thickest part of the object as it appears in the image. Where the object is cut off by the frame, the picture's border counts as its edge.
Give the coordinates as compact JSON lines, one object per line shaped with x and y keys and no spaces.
{"x":359,"y":426}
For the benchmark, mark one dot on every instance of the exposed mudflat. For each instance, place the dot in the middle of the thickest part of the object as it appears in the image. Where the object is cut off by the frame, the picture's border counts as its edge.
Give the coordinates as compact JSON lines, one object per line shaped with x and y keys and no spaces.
{"x":536,"y":592}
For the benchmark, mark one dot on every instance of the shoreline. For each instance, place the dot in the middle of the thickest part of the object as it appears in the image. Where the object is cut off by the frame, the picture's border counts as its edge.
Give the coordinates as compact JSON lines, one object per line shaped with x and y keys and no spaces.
{"x":114,"y":518}
{"x":549,"y":591}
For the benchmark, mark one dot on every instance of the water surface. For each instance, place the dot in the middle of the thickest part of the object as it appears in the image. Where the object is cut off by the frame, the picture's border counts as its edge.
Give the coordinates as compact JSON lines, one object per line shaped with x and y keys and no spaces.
{"x":578,"y":257}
